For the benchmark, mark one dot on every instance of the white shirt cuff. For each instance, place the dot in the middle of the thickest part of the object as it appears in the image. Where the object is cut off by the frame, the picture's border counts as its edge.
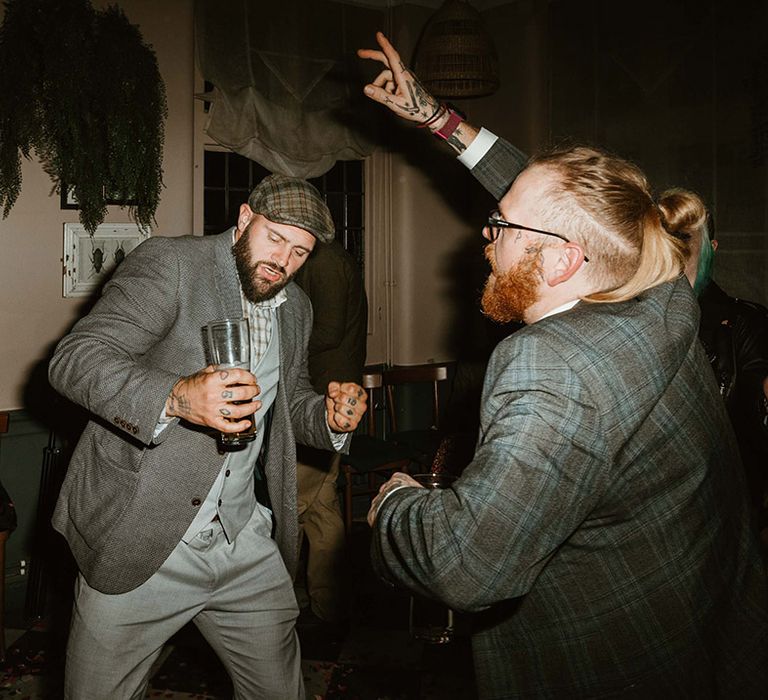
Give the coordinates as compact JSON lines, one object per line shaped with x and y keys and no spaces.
{"x":162,"y":423}
{"x":478,"y":148}
{"x":389,"y":493}
{"x":337,"y":439}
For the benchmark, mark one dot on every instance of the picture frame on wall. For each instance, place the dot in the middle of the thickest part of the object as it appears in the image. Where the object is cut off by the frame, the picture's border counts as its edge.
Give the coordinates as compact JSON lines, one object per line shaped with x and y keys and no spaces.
{"x":90,"y":260}
{"x":69,"y":201}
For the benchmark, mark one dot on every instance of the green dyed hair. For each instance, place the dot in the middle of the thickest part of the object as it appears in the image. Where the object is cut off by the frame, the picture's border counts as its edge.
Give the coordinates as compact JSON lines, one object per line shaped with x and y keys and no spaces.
{"x":706,"y":258}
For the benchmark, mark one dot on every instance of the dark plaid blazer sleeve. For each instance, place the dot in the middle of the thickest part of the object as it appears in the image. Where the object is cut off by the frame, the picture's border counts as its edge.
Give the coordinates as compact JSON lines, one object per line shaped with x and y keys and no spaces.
{"x":538,"y":471}
{"x":499,"y":167}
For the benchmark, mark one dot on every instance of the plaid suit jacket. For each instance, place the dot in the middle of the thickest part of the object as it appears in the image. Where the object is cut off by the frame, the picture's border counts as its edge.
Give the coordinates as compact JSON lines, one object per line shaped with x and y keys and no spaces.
{"x":601,"y":532}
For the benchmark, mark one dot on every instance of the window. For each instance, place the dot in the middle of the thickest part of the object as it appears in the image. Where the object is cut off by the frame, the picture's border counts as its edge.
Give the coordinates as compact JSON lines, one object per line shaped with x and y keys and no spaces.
{"x":342,"y":187}
{"x":229,"y":179}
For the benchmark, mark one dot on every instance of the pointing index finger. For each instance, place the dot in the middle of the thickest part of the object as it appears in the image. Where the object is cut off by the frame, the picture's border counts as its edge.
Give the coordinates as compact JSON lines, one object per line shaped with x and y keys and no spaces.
{"x":374,"y":55}
{"x":392,"y":58}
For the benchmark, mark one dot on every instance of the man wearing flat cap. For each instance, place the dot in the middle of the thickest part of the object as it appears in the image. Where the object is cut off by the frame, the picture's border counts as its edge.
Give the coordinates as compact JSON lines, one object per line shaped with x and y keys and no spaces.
{"x":166,"y":527}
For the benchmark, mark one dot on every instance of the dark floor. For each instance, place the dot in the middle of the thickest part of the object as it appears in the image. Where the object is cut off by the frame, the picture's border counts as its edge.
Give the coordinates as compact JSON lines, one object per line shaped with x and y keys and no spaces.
{"x":375,"y":658}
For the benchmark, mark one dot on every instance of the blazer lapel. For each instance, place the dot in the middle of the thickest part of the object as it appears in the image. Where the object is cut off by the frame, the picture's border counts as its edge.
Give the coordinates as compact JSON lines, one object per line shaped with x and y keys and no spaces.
{"x":227,"y":283}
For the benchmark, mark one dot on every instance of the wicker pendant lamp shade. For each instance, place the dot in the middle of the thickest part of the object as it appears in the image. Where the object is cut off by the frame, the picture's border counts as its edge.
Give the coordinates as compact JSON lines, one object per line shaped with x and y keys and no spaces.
{"x":456,"y":57}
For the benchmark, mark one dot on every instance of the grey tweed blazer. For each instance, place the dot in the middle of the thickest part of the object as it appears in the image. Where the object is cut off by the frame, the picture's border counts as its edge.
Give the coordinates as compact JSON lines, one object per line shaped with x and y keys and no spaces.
{"x":126,"y":500}
{"x":601,"y":533}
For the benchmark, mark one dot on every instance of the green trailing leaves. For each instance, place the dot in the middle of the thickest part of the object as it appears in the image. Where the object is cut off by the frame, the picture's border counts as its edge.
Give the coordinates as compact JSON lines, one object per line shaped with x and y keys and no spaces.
{"x":83,"y":90}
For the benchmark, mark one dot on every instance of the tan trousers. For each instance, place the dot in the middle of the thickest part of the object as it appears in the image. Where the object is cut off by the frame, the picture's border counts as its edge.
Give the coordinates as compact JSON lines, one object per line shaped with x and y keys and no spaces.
{"x":321,"y":523}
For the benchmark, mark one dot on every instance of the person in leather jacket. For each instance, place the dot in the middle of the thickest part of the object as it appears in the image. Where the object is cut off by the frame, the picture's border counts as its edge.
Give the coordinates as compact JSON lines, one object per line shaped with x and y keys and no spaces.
{"x":734,"y":333}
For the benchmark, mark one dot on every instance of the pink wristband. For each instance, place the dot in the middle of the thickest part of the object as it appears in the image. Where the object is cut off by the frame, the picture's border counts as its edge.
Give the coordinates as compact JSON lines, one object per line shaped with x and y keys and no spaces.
{"x":454,"y":119}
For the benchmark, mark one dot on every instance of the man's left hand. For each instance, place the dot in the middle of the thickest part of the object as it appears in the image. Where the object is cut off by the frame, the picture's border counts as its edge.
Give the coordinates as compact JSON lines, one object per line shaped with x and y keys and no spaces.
{"x":396,"y":481}
{"x":346,"y":404}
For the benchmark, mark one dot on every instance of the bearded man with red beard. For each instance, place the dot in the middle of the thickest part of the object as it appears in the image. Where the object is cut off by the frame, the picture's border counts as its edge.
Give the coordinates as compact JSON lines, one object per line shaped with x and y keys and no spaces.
{"x":507,"y":295}
{"x":166,"y":526}
{"x":601,"y":533}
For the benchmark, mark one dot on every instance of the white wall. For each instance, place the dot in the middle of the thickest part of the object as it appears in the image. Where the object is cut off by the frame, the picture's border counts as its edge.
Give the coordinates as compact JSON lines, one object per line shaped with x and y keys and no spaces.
{"x":33,"y":314}
{"x":437,"y":207}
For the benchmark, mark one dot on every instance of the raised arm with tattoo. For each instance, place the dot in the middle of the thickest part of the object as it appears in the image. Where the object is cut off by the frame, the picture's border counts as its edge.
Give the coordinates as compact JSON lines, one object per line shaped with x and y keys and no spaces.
{"x":400,"y":90}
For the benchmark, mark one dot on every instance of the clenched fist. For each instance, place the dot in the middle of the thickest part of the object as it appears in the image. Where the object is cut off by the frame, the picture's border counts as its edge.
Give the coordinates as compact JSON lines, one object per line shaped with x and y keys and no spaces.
{"x":346,"y":403}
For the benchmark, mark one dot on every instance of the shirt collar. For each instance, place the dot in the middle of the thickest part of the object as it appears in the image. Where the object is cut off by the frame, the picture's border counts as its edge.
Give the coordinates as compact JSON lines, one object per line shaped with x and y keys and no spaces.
{"x":272,"y":303}
{"x":563,"y":307}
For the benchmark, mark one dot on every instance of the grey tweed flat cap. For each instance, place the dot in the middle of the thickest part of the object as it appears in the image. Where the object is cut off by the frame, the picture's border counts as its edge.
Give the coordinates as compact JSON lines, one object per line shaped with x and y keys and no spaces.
{"x":293,"y":201}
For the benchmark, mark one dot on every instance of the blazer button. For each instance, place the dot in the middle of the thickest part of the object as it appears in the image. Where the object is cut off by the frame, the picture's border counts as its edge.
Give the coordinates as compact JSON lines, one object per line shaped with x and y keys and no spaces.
{"x":117,"y":420}
{"x":135,"y":429}
{"x":196,"y":501}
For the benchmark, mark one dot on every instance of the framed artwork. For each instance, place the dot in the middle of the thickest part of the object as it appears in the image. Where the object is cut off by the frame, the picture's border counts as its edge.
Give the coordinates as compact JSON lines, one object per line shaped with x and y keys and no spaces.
{"x":69,"y":201}
{"x":90,"y":260}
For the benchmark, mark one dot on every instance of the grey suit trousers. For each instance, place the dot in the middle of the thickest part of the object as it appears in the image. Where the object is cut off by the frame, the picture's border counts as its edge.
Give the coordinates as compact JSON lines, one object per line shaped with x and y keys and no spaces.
{"x":239,"y":595}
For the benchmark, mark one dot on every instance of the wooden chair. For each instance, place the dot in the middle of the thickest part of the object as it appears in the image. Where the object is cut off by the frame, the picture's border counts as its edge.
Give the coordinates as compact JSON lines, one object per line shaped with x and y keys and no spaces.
{"x":371,"y":459}
{"x":421,"y":443}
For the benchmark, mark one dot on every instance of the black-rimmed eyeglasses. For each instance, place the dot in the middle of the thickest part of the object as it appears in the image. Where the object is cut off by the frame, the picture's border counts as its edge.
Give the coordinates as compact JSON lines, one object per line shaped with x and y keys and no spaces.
{"x":495,"y":223}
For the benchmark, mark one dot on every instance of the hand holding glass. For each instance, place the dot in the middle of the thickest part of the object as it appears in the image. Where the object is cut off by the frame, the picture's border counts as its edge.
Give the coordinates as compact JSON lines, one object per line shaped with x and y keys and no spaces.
{"x":229,"y":345}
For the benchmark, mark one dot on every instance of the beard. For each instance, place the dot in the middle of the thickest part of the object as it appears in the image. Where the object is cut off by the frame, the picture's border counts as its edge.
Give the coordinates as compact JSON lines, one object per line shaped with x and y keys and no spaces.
{"x":508,"y":296}
{"x":254,"y":286}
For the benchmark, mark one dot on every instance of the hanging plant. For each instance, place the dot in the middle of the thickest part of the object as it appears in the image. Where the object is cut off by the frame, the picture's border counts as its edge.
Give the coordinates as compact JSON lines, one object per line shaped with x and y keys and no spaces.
{"x":87,"y":96}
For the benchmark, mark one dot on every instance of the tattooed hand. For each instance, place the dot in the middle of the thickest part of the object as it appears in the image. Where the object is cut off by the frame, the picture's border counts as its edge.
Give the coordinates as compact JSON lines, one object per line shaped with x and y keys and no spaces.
{"x":398,"y":88}
{"x":346,"y":404}
{"x":212,"y":397}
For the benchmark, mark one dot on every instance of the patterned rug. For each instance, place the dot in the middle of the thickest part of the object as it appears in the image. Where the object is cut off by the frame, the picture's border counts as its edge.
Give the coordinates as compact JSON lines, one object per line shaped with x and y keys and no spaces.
{"x":371,"y":664}
{"x":30,"y":670}
{"x":375,"y":659}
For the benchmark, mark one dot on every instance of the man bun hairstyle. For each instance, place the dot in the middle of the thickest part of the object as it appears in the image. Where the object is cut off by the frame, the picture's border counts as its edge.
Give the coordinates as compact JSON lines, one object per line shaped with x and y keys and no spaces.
{"x":604,"y":203}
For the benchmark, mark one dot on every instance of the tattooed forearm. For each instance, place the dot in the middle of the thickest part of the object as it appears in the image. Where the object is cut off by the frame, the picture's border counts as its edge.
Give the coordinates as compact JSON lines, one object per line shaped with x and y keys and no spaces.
{"x":454,"y":142}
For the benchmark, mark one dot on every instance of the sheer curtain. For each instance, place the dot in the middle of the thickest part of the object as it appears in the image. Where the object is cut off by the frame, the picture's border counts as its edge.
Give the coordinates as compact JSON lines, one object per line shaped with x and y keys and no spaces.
{"x":287,"y":82}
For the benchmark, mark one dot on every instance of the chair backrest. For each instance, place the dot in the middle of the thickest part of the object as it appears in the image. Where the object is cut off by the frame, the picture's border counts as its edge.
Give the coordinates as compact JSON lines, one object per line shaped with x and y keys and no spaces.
{"x":418,"y":374}
{"x":372,"y":380}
